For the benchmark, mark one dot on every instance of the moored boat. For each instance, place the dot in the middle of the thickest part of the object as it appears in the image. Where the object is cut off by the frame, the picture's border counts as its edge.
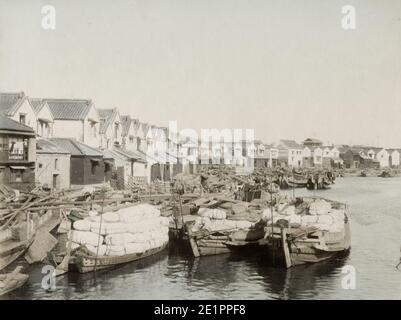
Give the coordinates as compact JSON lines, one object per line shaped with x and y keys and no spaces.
{"x":12,"y":281}
{"x":325,"y":233}
{"x":85,"y":262}
{"x":109,"y":239}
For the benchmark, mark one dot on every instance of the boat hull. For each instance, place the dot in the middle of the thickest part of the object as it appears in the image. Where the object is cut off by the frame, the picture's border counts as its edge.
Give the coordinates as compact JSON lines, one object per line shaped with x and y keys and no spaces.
{"x":303,"y":251}
{"x":85,"y":263}
{"x":16,"y":282}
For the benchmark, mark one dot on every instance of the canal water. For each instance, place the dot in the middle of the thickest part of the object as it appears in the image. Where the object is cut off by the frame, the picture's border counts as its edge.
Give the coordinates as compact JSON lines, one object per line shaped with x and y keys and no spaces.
{"x":375,"y":206}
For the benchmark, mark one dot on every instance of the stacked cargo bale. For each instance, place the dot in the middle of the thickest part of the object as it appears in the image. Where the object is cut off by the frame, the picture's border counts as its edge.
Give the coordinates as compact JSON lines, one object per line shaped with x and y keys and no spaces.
{"x":127,"y":231}
{"x":319,"y":214}
{"x":214,"y":220}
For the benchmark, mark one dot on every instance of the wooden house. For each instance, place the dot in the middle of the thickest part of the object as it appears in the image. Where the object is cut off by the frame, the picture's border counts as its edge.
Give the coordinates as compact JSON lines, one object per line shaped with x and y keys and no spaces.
{"x":17,"y":154}
{"x":52,"y":165}
{"x":44,"y":118}
{"x":110,"y":128}
{"x":88,"y":165}
{"x":17,"y":107}
{"x":76,"y":119}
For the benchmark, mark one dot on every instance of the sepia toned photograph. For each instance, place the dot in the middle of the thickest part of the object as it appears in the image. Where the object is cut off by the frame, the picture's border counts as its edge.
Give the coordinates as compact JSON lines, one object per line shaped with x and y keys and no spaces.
{"x":200,"y":150}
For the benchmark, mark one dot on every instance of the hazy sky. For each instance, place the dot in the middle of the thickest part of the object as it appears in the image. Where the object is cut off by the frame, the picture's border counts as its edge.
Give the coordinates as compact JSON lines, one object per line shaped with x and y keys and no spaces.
{"x":285,"y":68}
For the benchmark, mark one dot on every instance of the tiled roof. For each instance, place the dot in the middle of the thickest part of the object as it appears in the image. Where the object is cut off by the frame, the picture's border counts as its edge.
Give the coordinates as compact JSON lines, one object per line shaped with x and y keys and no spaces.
{"x":145,"y":128}
{"x":135,"y":155}
{"x":312,"y":140}
{"x":7,"y":124}
{"x":76,"y":148}
{"x":69,"y":109}
{"x":291,"y":144}
{"x":37,"y":104}
{"x":10,"y":102}
{"x":126,"y":124}
{"x":47,"y":146}
{"x":106,"y":117}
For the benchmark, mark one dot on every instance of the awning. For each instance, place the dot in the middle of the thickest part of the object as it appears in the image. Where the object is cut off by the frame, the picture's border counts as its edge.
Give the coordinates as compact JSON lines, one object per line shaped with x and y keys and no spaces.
{"x":109,"y":162}
{"x":45,"y":120}
{"x":95,"y":160}
{"x":18,"y":167}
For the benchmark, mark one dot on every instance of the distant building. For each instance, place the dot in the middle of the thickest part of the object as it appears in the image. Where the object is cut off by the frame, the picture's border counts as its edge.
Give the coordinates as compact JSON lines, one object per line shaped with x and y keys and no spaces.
{"x":17,"y":107}
{"x":130,"y":127}
{"x":52,"y":165}
{"x":262,"y":157}
{"x":88,"y":165}
{"x":110,"y":128}
{"x":356,"y":158}
{"x":383,"y":156}
{"x":394,"y":160}
{"x":331,"y":157}
{"x":17,"y":154}
{"x":44,"y":118}
{"x":290,"y":153}
{"x":74,"y":118}
{"x":312,"y":143}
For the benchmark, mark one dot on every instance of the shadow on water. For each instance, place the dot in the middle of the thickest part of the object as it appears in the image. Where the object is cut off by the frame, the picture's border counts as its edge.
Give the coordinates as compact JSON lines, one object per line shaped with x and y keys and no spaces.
{"x":303,"y":281}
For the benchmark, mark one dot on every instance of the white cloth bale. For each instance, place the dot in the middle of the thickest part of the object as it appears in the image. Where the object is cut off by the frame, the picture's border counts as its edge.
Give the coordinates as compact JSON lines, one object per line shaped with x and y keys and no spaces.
{"x":131,"y":248}
{"x":243,"y":224}
{"x":164,"y":221}
{"x":325,"y":219}
{"x":94,"y":218}
{"x":100,"y":251}
{"x":139,"y":212}
{"x":82,"y":225}
{"x":119,"y":239}
{"x":319,"y":207}
{"x":337,"y":215}
{"x":295,"y":220}
{"x":111,"y":217}
{"x":87,"y":237}
{"x":115,"y":251}
{"x":93,"y":213}
{"x":116,"y":227}
{"x":95,"y":228}
{"x":74,"y":245}
{"x":308,"y":220}
{"x":217,"y":214}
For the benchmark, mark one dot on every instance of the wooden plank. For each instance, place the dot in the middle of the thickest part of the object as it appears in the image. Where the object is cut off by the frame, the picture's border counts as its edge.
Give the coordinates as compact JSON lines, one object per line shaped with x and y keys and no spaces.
{"x":286,"y":250}
{"x":43,"y":243}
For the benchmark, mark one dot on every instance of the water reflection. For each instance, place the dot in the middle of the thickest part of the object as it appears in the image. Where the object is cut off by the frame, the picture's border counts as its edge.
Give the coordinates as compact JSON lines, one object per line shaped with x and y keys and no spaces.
{"x":302,"y":281}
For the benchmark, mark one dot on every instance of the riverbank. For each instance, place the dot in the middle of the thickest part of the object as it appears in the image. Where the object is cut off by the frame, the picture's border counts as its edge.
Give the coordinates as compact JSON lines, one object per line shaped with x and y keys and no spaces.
{"x":371,"y":172}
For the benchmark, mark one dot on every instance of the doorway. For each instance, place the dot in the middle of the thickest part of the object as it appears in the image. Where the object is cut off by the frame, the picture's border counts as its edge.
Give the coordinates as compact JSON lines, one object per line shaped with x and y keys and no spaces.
{"x":56,"y":181}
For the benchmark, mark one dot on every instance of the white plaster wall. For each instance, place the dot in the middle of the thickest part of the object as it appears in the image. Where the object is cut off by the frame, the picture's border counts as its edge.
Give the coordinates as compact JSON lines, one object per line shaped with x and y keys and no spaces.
{"x":45,"y":173}
{"x":30,"y":117}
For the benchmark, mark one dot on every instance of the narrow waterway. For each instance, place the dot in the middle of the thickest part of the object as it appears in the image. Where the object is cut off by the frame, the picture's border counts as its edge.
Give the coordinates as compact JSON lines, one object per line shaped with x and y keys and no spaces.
{"x":375,"y":206}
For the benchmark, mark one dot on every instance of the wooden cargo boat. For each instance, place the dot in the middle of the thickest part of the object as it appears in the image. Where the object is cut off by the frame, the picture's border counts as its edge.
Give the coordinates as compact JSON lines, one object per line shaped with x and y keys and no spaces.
{"x":296,"y":183}
{"x":12,"y":281}
{"x":295,"y":246}
{"x":85,"y":262}
{"x":11,"y":250}
{"x":205,"y":243}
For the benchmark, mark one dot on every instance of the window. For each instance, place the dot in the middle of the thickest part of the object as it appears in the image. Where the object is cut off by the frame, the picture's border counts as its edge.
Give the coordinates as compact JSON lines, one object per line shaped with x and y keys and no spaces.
{"x":22,"y":118}
{"x":56,"y":164}
{"x":93,"y":167}
{"x":3,"y":144}
{"x":93,"y":128}
{"x":131,"y":139}
{"x":106,"y":167}
{"x":17,"y":175}
{"x":115,"y":131}
{"x":40,"y":165}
